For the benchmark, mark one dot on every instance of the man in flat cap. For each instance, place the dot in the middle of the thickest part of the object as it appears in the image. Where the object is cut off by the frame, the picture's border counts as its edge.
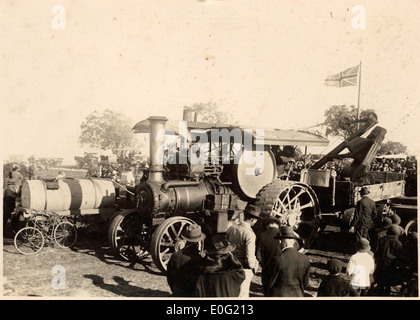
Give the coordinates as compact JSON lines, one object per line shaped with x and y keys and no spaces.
{"x":243,"y":238}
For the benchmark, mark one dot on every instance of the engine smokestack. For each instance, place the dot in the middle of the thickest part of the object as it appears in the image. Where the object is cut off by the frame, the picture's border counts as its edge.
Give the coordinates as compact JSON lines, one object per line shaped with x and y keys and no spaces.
{"x":157,"y":140}
{"x":188,"y":114}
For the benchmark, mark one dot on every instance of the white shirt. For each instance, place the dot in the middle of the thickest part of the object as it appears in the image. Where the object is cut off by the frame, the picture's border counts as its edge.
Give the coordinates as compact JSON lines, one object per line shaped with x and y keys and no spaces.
{"x":244,"y":238}
{"x":361,"y":265}
{"x":130,"y":179}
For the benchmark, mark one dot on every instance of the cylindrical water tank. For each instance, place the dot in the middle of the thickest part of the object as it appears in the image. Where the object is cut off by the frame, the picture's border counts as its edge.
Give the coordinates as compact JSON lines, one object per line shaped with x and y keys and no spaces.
{"x":71,"y":194}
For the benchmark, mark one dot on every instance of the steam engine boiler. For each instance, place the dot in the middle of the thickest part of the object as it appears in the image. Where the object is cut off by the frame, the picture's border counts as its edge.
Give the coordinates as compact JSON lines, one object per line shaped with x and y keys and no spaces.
{"x":175,"y":194}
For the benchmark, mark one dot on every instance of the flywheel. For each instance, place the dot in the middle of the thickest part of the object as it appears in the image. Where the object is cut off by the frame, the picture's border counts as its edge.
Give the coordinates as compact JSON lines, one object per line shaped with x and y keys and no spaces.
{"x":250,"y":175}
{"x":294,"y":204}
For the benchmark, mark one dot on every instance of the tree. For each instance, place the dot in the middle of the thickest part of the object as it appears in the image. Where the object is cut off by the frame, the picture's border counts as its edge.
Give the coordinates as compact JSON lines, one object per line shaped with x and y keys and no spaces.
{"x":392,"y":147}
{"x":107,"y":131}
{"x":336,"y":116}
{"x":209,"y":113}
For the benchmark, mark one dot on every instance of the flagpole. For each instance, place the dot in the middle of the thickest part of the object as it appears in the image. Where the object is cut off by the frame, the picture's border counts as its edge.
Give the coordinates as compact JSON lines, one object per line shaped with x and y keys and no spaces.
{"x":358,"y":94}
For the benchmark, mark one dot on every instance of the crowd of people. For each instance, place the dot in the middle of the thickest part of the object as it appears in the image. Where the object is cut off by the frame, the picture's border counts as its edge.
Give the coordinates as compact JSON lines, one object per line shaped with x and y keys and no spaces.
{"x":384,"y":257}
{"x":398,"y":165}
{"x":227,"y":267}
{"x":393,"y":252}
{"x":406,"y":166}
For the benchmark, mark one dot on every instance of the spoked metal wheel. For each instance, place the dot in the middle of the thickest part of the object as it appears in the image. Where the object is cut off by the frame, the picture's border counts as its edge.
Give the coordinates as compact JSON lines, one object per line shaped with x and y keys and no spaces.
{"x":29,"y":241}
{"x":65,"y":234}
{"x":411,"y":227}
{"x":129,"y":236}
{"x":294,"y":204}
{"x":167,"y":239}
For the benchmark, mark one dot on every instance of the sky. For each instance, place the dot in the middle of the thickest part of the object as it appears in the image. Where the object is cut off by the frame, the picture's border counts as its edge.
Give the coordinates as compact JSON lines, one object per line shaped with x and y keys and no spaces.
{"x":263,"y":62}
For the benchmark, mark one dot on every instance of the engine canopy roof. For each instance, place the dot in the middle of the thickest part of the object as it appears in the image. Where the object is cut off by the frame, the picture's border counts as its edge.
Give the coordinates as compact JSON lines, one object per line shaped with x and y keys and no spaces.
{"x":272,"y":136}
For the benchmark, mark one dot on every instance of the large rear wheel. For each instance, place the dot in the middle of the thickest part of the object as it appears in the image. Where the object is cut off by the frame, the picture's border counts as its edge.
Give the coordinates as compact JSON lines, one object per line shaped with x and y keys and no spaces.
{"x":294,"y":204}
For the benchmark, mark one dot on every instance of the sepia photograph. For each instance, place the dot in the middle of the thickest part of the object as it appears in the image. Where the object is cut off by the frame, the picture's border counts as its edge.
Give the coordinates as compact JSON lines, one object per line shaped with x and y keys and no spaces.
{"x":229,"y":150}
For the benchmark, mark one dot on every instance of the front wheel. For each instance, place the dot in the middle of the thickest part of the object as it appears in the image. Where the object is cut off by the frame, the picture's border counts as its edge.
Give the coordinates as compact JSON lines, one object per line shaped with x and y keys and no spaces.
{"x":29,"y":241}
{"x":167,"y":239}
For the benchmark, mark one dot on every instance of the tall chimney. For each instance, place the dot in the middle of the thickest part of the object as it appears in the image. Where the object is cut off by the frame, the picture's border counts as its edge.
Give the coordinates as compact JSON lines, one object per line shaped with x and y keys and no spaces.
{"x":188,"y":114}
{"x":157,"y":139}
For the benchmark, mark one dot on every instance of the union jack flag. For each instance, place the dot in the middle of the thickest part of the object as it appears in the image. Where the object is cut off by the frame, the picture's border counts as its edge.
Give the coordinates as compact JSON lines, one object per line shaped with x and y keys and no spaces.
{"x":343,"y":79}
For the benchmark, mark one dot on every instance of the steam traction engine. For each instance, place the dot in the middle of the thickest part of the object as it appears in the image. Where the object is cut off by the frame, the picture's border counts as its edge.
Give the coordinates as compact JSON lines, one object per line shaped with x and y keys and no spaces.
{"x":175,"y":195}
{"x":210,"y":193}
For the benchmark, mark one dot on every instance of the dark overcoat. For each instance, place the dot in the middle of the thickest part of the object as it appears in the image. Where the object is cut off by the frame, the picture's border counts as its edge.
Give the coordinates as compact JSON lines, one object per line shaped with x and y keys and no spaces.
{"x":336,"y":286}
{"x":290,"y":274}
{"x":267,"y":249}
{"x":364,"y":216}
{"x":182,"y":272}
{"x":220,"y":276}
{"x":388,"y":250}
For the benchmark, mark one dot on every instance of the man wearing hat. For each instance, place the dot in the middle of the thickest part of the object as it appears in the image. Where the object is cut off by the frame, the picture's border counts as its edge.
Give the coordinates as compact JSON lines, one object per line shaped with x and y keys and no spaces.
{"x":290,"y":274}
{"x":11,"y":195}
{"x":404,"y":269}
{"x":221,"y":274}
{"x":360,"y":267}
{"x":243,"y":238}
{"x":182,"y":270}
{"x":9,"y":201}
{"x":15,"y":177}
{"x":397,"y":220}
{"x":380,"y":232}
{"x":33,"y":171}
{"x":389,"y":248}
{"x":267,"y":248}
{"x":364,"y":215}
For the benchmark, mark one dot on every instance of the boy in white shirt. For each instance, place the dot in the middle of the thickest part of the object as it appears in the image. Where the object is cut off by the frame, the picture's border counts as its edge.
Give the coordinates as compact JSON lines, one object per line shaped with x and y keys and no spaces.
{"x":361,"y":267}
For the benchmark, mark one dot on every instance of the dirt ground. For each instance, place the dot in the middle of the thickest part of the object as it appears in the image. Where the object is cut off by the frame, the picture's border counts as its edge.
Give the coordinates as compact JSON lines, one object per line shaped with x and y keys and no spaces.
{"x":91,"y":270}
